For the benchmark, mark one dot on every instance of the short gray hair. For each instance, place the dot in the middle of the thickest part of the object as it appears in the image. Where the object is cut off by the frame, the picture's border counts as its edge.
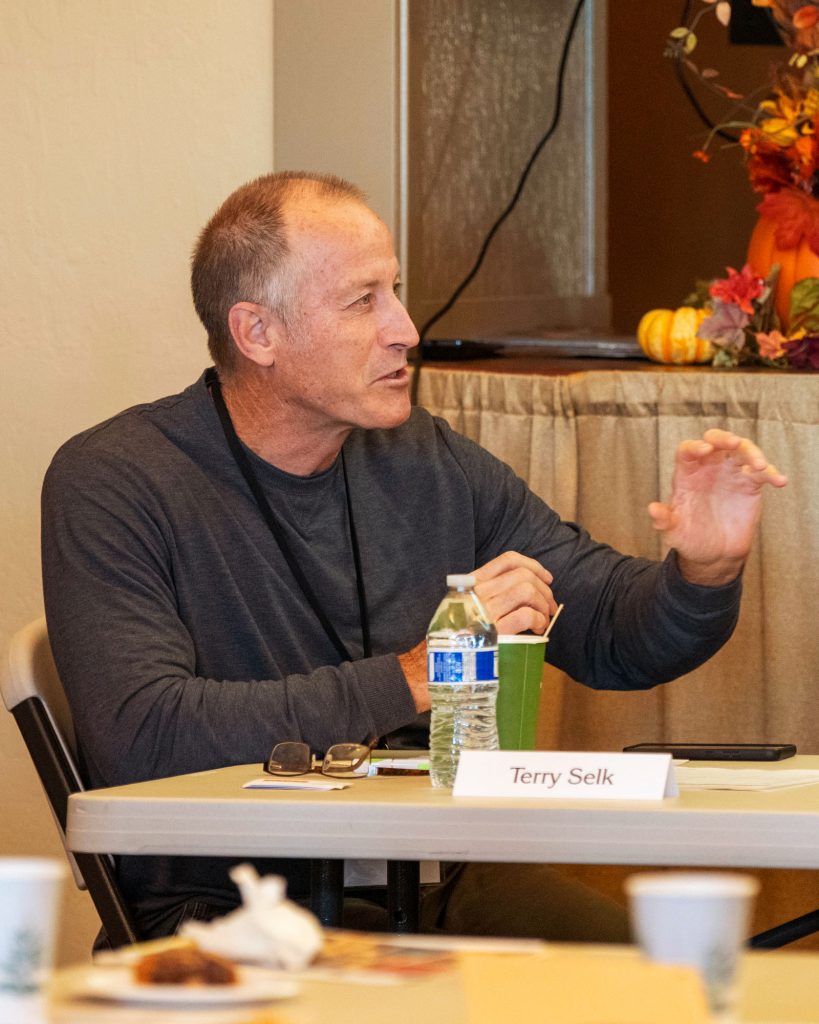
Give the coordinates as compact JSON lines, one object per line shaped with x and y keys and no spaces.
{"x":242,"y":254}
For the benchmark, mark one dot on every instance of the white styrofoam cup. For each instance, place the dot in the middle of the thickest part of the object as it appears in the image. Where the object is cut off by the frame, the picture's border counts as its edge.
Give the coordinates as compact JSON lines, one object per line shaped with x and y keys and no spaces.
{"x":699,"y":919}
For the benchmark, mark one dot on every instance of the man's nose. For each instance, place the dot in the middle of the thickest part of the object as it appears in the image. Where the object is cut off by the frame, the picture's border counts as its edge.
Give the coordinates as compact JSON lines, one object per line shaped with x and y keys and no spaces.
{"x":399,"y":329}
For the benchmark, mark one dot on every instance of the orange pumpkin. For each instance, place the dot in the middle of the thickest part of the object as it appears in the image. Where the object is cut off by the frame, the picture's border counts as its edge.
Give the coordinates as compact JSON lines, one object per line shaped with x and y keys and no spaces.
{"x":794,"y":264}
{"x":670,"y":336}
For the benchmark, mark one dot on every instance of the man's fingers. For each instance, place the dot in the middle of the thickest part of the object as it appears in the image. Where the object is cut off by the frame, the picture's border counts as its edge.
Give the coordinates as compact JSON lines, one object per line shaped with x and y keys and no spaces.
{"x":522,"y":619}
{"x":516,"y":589}
{"x":740,"y":450}
{"x":694,"y":451}
{"x":748,"y":454}
{"x":521,"y":580}
{"x":771,"y":475}
{"x":721,"y":445}
{"x":509,"y":561}
{"x":766,"y":474}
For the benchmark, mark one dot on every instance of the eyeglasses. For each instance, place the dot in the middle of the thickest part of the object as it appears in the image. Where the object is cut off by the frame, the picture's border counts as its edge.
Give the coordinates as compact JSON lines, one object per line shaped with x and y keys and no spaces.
{"x":343,"y":760}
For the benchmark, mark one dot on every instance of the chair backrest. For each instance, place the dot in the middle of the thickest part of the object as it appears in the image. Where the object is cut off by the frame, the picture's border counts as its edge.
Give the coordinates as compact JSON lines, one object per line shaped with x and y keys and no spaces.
{"x":32,"y":692}
{"x":32,"y":673}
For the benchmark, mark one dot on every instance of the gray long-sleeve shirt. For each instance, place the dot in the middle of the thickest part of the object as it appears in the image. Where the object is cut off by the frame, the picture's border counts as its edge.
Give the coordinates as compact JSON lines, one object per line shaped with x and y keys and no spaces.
{"x":184,"y":642}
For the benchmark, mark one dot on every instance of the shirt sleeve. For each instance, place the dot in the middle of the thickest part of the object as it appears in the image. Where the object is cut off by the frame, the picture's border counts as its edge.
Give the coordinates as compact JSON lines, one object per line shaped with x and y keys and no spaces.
{"x":628,"y":623}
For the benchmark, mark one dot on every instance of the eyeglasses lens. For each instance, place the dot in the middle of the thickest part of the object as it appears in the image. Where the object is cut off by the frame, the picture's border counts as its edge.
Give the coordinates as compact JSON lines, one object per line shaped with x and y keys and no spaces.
{"x":290,"y":759}
{"x":347,"y":760}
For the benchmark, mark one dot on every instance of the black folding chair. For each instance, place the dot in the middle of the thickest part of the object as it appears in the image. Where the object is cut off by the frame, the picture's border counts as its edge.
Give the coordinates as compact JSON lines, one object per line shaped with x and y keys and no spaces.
{"x":33,"y":693}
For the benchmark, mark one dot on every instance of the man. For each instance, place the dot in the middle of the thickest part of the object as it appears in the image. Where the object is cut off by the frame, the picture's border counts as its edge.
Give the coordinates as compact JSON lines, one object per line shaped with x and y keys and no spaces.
{"x":257,"y":559}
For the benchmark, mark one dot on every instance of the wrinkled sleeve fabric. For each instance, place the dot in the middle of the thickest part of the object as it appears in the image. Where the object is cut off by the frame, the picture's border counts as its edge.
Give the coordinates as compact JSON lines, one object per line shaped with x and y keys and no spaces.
{"x":628,"y":623}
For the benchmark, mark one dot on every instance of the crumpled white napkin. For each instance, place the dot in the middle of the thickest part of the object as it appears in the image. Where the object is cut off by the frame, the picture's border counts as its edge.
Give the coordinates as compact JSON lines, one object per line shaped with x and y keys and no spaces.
{"x":267,"y":929}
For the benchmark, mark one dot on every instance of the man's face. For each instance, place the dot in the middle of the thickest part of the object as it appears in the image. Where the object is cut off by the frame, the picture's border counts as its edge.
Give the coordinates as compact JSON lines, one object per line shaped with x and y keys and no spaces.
{"x":344,"y":363}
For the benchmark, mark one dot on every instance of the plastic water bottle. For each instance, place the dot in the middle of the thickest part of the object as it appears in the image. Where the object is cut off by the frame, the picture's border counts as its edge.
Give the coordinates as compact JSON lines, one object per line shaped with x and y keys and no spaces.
{"x":462,"y":664}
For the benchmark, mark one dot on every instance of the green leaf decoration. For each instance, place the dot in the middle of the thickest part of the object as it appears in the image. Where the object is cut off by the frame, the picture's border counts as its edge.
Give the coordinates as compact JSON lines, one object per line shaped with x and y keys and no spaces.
{"x":722,"y":357}
{"x":678,"y":33}
{"x":805,"y":305}
{"x":700,"y":297}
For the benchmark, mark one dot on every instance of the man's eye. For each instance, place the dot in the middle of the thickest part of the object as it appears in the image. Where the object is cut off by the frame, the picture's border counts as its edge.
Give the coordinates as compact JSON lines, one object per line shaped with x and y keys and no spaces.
{"x":397,"y":287}
{"x":364,"y":300}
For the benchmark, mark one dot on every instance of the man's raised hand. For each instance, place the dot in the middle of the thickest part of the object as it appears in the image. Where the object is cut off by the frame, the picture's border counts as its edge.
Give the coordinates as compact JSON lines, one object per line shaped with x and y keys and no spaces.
{"x":715,"y":505}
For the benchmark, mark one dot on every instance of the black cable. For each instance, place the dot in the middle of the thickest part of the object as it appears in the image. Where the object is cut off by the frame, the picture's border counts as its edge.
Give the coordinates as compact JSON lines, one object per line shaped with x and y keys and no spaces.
{"x":692,"y":99}
{"x":509,"y":206}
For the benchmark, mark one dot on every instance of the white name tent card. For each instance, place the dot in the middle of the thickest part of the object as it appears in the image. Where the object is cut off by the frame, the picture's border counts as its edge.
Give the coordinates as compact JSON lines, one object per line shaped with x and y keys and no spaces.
{"x":544,"y":774}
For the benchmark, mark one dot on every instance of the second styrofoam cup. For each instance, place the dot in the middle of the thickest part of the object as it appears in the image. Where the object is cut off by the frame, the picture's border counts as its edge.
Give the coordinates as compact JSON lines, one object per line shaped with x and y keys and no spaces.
{"x":696,"y":918}
{"x":30,"y":890}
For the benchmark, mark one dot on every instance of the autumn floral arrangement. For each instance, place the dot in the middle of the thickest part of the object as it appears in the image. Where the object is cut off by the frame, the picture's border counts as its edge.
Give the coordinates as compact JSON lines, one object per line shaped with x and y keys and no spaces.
{"x":768,"y":312}
{"x":742,"y":326}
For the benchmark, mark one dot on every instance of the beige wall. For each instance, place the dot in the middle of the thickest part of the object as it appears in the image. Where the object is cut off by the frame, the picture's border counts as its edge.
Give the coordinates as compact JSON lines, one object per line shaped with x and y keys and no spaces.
{"x":336,"y":94}
{"x":123,"y":124}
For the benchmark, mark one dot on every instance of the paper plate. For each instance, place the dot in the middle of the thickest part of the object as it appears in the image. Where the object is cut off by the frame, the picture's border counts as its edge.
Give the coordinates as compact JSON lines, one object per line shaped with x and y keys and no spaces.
{"x":253,"y":985}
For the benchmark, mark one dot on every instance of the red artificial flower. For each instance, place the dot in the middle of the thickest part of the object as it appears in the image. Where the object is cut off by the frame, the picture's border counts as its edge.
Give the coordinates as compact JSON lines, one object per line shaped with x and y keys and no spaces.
{"x":700,"y":154}
{"x":739,"y":288}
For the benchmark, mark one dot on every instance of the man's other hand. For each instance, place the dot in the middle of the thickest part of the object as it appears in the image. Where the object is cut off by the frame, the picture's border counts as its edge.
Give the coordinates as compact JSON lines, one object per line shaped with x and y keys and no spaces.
{"x":516,"y":592}
{"x":715,"y":505}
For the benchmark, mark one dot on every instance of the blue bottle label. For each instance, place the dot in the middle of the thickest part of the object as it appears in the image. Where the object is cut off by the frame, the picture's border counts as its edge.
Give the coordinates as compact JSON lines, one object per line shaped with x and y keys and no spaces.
{"x":461,"y":666}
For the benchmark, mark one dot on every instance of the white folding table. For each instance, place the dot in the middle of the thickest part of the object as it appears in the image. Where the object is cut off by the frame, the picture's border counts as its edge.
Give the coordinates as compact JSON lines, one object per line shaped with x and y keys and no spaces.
{"x":405,"y":819}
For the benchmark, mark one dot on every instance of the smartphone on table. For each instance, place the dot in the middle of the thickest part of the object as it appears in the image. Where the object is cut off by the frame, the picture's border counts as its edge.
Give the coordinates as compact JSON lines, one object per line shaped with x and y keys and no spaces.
{"x":717,"y":751}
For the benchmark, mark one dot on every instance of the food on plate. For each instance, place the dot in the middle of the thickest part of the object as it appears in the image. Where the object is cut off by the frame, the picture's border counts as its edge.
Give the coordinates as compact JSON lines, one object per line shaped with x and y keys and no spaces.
{"x":186,"y":966}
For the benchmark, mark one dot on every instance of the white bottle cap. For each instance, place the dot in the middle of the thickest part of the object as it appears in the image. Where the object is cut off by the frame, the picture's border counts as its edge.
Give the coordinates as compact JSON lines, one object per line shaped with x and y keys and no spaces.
{"x":456,"y":580}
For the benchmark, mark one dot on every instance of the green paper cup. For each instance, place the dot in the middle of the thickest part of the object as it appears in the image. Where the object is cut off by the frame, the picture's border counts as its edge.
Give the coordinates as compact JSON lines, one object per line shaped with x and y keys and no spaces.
{"x":520,"y":669}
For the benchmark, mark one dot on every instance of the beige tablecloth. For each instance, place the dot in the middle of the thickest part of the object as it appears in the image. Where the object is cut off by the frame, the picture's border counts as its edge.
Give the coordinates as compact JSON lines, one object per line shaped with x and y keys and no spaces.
{"x":598,"y":447}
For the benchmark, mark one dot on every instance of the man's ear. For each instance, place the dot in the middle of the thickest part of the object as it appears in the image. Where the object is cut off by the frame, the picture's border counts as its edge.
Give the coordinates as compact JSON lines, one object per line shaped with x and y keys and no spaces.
{"x":256,"y":332}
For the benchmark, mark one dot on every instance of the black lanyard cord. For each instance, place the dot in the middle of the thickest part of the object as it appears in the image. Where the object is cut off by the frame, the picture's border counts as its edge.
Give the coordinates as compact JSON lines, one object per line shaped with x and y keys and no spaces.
{"x":363,"y":612}
{"x":240,"y":457}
